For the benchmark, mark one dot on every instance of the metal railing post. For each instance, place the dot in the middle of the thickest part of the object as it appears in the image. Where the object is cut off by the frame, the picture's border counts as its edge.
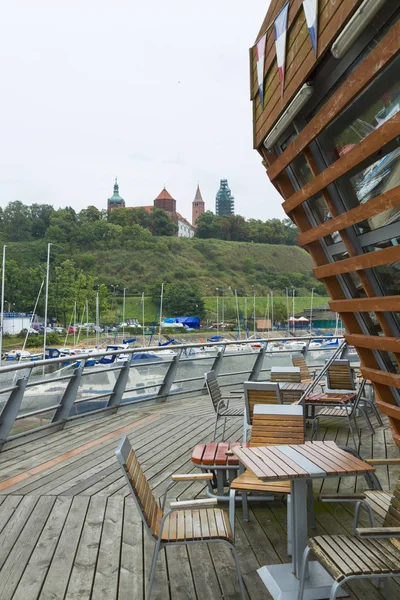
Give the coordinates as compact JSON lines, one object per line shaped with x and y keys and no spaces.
{"x":216,"y":366}
{"x":11,"y":409}
{"x":120,"y":385}
{"x":69,"y":396}
{"x":258,"y":363}
{"x":168,"y":379}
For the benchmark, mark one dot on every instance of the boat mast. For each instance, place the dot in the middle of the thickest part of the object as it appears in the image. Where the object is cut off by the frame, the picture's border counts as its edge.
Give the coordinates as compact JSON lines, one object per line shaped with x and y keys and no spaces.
{"x":294,"y":325}
{"x":87,"y":323}
{"x":254,"y":315}
{"x":97,"y":319}
{"x":272,"y":310}
{"x":123,"y":316}
{"x":237,"y":312}
{"x":46,"y":301}
{"x":161,"y":303}
{"x":311,"y":307}
{"x":3,"y":272}
{"x":143,"y":318}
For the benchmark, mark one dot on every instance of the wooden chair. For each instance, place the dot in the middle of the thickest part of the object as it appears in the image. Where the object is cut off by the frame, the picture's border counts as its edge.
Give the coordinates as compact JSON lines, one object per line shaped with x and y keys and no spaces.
{"x":339,"y":376}
{"x":286,"y":374}
{"x":258,"y":392}
{"x":372,"y":552}
{"x":340,"y":379}
{"x":272,"y":425}
{"x":306,"y":375}
{"x":376,"y":501}
{"x":347,"y":411}
{"x":221,"y":403}
{"x":187,"y":522}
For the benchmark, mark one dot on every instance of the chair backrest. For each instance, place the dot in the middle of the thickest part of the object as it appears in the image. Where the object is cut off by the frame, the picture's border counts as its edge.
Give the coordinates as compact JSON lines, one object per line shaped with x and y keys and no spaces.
{"x":260,"y":392}
{"x":278,"y":424}
{"x":339,"y":375}
{"x":299,"y":361}
{"x":392,"y":518}
{"x":149,"y":510}
{"x":213,"y":389}
{"x":286,"y":374}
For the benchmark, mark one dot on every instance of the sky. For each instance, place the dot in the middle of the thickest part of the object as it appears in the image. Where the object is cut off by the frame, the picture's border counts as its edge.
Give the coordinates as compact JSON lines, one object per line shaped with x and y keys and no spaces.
{"x":156,"y":93}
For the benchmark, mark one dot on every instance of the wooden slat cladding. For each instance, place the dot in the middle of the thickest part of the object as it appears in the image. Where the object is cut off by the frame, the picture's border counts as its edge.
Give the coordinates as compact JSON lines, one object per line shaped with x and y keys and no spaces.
{"x":385,"y":378}
{"x":270,"y":54}
{"x":369,"y":209}
{"x":333,"y":17}
{"x":374,"y":342}
{"x":378,"y":304}
{"x":387,"y":49}
{"x":369,"y":146}
{"x":357,"y":263}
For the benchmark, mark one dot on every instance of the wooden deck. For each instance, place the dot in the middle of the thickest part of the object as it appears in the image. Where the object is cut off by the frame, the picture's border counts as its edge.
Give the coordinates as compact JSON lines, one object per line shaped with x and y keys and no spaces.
{"x":69,"y":530}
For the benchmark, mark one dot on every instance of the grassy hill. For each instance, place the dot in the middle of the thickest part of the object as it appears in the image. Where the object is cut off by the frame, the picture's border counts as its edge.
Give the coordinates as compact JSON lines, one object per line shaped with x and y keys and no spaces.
{"x":209,"y":263}
{"x":137,"y":266}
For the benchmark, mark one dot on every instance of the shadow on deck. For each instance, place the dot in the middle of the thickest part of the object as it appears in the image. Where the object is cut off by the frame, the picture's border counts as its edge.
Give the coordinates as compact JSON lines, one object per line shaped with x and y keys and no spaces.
{"x":69,"y":530}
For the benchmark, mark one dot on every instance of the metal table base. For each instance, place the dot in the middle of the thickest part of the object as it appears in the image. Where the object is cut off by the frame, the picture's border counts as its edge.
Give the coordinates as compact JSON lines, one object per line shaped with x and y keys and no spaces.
{"x":282,"y":584}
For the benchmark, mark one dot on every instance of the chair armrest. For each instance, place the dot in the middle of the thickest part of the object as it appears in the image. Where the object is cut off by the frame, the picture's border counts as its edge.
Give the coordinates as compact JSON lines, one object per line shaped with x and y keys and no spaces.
{"x":376,"y":462}
{"x":378,"y":532}
{"x":191,"y":476}
{"x":341,"y":497}
{"x":236,"y":392}
{"x":202,"y":503}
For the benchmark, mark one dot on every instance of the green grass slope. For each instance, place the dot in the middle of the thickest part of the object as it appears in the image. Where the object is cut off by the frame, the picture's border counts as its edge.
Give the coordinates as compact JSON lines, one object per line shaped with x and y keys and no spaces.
{"x":209,"y":263}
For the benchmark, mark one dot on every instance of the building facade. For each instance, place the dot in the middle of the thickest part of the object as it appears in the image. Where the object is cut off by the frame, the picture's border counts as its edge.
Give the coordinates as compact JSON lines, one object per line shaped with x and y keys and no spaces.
{"x":224,"y":201}
{"x":329,"y":139}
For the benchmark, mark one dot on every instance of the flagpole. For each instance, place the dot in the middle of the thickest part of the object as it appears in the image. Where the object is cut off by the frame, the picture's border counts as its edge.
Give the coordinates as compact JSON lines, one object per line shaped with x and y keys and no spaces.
{"x":3,"y":273}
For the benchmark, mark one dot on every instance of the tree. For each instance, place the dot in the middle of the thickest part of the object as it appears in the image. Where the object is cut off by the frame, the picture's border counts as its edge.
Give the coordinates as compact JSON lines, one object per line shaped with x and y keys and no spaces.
{"x":183,"y":299}
{"x":161,"y":224}
{"x":63,"y":226}
{"x":17,"y":224}
{"x":91,"y":214}
{"x":208,"y":226}
{"x":41,"y":216}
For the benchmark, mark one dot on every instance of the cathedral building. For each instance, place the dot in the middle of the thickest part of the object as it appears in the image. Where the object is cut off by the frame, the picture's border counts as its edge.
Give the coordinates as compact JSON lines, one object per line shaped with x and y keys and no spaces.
{"x":165,"y":202}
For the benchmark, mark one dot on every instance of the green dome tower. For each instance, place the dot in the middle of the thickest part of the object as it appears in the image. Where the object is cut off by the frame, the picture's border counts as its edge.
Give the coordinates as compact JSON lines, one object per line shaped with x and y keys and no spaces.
{"x":115,"y":201}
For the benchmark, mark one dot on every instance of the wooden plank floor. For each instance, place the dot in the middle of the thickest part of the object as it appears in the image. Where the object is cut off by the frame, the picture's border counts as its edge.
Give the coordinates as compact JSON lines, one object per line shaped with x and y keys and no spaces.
{"x":69,"y":530}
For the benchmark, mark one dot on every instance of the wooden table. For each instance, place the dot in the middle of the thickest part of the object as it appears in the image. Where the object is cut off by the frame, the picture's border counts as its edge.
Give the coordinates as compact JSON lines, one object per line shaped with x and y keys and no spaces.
{"x":292,"y":392}
{"x":299,"y":463}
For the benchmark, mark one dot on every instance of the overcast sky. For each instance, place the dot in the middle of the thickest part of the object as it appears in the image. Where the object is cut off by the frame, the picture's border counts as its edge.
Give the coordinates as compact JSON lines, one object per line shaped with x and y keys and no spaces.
{"x":154,"y":92}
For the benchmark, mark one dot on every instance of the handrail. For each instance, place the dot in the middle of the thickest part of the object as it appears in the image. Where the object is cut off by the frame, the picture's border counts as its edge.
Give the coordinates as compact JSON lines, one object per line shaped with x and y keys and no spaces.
{"x":24,"y":401}
{"x":324,"y":369}
{"x":105,"y":354}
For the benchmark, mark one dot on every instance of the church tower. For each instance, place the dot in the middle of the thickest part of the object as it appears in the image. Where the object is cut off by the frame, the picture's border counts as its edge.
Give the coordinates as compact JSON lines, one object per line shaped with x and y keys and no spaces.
{"x":198,"y":206}
{"x":115,"y":201}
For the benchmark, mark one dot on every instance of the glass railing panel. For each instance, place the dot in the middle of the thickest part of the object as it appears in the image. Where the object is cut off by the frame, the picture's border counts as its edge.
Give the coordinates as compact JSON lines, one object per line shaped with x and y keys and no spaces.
{"x":192,"y":367}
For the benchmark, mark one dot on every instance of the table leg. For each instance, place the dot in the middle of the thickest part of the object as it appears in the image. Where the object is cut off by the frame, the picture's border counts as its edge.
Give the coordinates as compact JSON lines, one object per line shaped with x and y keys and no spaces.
{"x":299,"y":522}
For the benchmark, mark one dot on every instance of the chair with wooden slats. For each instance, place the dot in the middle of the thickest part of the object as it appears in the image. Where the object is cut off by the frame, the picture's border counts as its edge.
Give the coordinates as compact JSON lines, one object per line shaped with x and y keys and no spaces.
{"x":339,"y":377}
{"x":221,"y":403}
{"x":372,"y":552}
{"x":375,"y":501}
{"x":258,"y":392}
{"x":306,"y":375}
{"x":285,"y":375}
{"x":272,"y":425}
{"x":186,"y":522}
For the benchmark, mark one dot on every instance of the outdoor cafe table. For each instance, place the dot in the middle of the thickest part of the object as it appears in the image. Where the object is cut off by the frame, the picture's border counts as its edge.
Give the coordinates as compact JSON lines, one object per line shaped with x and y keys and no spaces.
{"x":298,"y":463}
